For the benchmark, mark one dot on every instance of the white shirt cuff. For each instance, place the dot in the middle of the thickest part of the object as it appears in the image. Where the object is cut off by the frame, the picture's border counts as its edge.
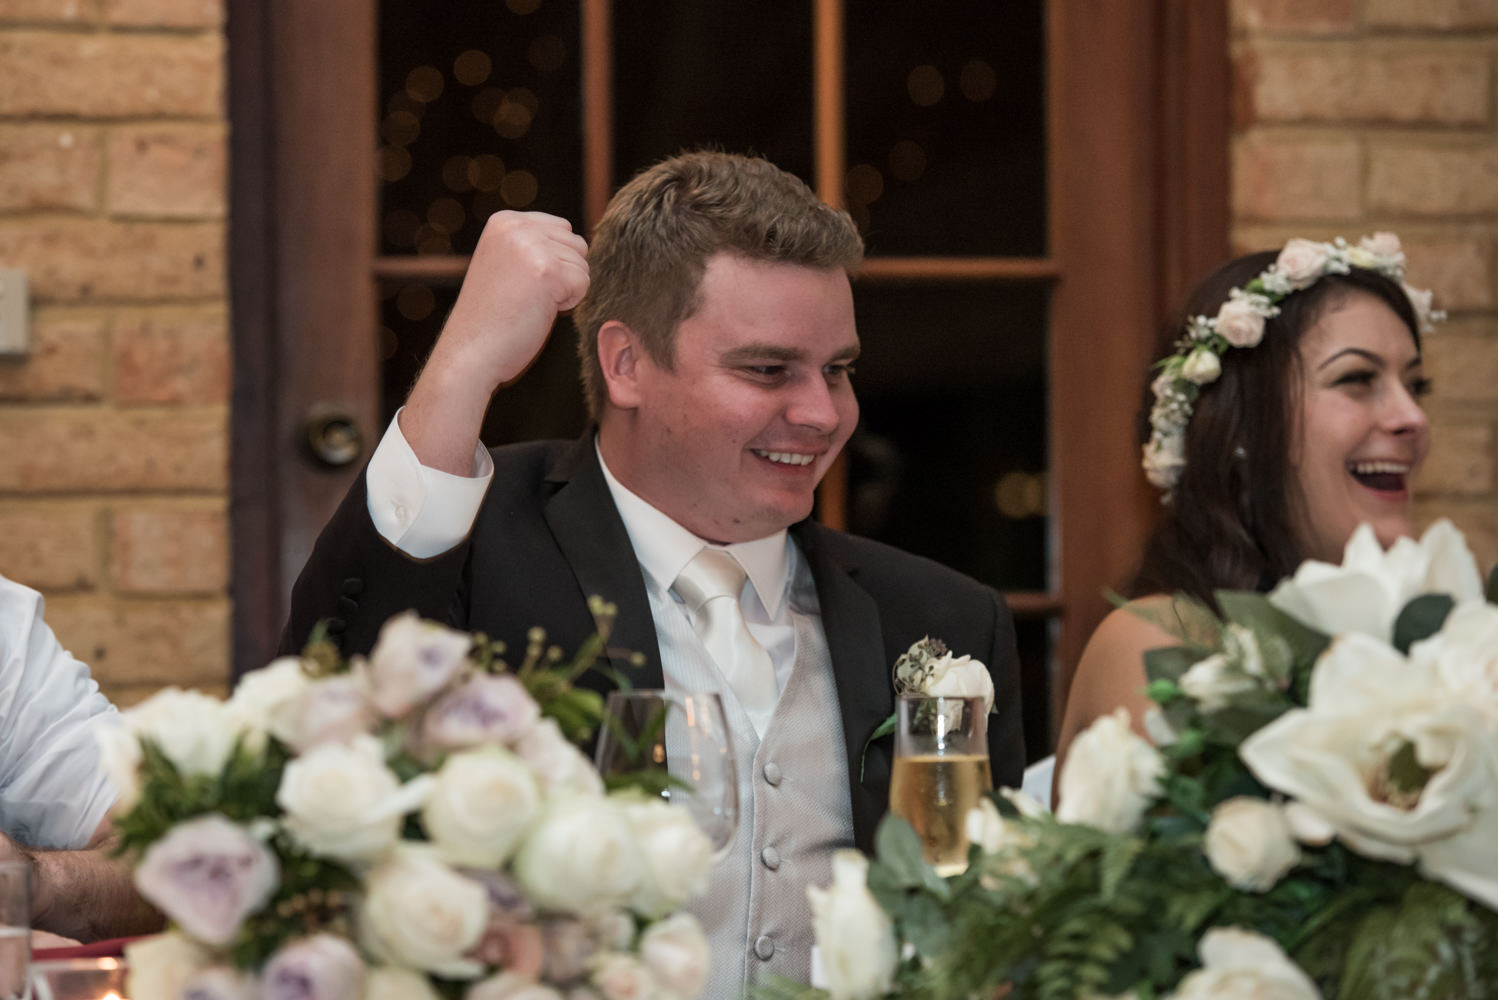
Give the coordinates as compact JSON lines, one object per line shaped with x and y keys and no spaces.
{"x":422,"y":511}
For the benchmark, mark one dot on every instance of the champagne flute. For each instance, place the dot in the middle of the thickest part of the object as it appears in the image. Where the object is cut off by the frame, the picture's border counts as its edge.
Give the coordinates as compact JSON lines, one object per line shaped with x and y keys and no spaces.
{"x":940,"y":772}
{"x":678,"y":741}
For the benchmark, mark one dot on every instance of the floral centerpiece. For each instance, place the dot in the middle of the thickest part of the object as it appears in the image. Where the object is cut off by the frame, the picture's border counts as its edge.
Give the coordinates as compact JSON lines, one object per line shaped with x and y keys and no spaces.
{"x":1317,"y":816}
{"x":413,"y":825}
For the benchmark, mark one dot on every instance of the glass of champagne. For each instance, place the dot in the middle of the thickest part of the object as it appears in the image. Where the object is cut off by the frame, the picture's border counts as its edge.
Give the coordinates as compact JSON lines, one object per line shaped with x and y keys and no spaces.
{"x":940,"y":772}
{"x":679,"y":742}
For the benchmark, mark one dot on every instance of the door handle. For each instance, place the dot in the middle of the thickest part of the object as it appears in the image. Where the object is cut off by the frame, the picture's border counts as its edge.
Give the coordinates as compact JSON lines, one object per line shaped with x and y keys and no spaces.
{"x":333,"y":435}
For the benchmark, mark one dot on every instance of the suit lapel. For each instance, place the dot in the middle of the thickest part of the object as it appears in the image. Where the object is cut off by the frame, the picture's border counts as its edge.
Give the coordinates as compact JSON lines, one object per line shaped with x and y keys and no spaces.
{"x":591,"y":535}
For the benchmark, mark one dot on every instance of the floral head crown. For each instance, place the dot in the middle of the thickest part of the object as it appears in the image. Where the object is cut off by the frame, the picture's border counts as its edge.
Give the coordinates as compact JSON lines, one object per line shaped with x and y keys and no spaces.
{"x":1197,"y":360}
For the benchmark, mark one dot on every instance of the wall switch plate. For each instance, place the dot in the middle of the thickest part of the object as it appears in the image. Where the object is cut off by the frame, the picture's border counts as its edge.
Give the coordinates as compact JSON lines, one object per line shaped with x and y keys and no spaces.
{"x":15,"y":313}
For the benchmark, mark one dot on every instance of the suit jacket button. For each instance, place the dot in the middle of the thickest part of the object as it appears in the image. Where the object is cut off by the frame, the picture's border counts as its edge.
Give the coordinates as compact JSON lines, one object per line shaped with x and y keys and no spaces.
{"x":353,"y":586}
{"x":336,"y":626}
{"x":764,"y":947}
{"x":347,"y":605}
{"x":772,"y":773}
{"x":770,"y":857}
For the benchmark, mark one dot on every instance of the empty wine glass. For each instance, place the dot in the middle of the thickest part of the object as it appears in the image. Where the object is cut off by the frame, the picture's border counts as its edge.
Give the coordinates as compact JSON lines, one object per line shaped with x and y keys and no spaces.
{"x":678,"y":743}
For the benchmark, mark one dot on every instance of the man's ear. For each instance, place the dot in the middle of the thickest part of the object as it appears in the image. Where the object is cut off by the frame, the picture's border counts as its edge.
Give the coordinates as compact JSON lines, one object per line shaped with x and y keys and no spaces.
{"x":620,"y":354}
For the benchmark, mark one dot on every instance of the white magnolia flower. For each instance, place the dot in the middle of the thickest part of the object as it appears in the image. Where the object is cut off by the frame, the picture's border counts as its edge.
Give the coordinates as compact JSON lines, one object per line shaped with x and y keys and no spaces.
{"x":559,"y":765}
{"x":1110,"y":777}
{"x":580,"y":856}
{"x":163,"y":965}
{"x":487,"y":708}
{"x":1250,"y":844}
{"x":322,"y":967}
{"x":412,"y":660}
{"x":265,"y":700}
{"x":195,"y":731}
{"x":677,"y":854}
{"x":220,"y":982}
{"x":676,"y":952}
{"x":421,"y":914}
{"x":960,"y":677}
{"x":207,"y":874}
{"x":1399,"y":768}
{"x":1242,"y":965}
{"x":856,"y":938}
{"x":481,"y":805}
{"x":1302,"y":262}
{"x":623,"y":977}
{"x":1202,"y":366}
{"x":1464,"y":655}
{"x":341,"y":800}
{"x":390,"y":982}
{"x":329,"y":709}
{"x":1366,"y":593}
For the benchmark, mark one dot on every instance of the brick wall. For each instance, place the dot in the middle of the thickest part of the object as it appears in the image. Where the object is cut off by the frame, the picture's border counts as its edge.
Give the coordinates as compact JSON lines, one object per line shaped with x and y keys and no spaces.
{"x":114,"y":429}
{"x":1358,"y":115}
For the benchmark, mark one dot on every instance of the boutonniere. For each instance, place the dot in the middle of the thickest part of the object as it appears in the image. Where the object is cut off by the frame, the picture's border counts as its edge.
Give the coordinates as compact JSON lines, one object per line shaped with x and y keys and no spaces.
{"x":929,"y":668}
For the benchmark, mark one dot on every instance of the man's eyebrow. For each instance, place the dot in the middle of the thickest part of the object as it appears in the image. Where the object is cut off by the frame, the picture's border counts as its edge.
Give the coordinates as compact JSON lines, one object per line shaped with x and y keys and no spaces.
{"x":780,"y":352}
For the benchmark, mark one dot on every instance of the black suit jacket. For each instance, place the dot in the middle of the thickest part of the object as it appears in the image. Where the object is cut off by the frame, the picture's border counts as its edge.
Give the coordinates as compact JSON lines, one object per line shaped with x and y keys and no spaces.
{"x":548,"y":536}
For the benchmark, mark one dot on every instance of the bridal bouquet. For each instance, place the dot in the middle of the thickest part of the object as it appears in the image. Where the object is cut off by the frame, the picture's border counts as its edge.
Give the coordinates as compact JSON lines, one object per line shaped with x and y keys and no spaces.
{"x":1317,"y":817}
{"x":414,"y":825}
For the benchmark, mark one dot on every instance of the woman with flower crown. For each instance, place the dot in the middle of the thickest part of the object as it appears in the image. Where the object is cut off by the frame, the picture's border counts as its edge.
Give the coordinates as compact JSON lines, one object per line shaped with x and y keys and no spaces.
{"x":1287,"y":413}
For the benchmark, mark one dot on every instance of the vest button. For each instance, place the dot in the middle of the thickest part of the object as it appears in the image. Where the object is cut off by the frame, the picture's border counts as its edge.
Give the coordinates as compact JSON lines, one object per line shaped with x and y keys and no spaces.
{"x":770,"y":857}
{"x":764,"y":947}
{"x":772,"y":773}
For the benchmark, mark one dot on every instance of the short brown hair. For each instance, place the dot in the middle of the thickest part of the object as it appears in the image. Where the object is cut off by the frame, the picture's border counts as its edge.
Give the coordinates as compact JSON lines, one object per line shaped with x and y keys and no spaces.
{"x":651,"y":248}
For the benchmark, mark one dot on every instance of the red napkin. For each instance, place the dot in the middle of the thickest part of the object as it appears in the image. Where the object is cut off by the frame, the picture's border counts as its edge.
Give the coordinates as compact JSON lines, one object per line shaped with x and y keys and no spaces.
{"x":110,"y":948}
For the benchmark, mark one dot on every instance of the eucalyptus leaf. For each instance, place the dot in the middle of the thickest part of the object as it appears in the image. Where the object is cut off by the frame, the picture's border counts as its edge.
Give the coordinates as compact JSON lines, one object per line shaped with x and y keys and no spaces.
{"x":1421,"y":619}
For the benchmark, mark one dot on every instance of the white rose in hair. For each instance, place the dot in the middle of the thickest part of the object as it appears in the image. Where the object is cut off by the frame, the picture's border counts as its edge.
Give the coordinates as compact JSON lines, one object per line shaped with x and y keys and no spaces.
{"x":1385,"y":245}
{"x":163,"y":965}
{"x":676,"y":952}
{"x":1302,"y":262}
{"x":580,"y":857}
{"x":487,"y":708}
{"x":412,"y":660}
{"x":960,"y":677}
{"x":509,"y":986}
{"x":856,"y":938}
{"x":1242,"y":965}
{"x":342,"y":802}
{"x":480,"y":807}
{"x":331,"y":709}
{"x":1240,"y":322}
{"x":678,"y":856}
{"x":265,"y":700}
{"x":1423,"y":301}
{"x":1110,"y":777}
{"x":1250,"y":844}
{"x":420,"y":913}
{"x":1201,"y":366}
{"x":322,"y":967}
{"x":561,"y":766}
{"x":207,"y":874}
{"x":389,"y":982}
{"x":623,"y":977}
{"x":196,"y":732}
{"x":222,"y":983}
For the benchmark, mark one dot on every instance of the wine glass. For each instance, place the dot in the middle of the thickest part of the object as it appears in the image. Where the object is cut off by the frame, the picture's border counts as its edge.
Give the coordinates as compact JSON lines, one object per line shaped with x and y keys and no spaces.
{"x":940,"y":772}
{"x":678,"y":742}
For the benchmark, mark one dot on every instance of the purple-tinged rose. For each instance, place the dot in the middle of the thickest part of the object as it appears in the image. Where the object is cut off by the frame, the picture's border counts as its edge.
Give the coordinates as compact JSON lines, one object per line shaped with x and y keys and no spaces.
{"x":510,"y":986}
{"x":331,"y":709}
{"x":569,"y":945}
{"x":413,"y":660}
{"x":222,"y":983}
{"x":1302,"y":262}
{"x":487,"y":708}
{"x":207,"y":875}
{"x":560,"y":765}
{"x":322,"y":967}
{"x":517,"y":948}
{"x":507,"y":901}
{"x":676,"y":952}
{"x":163,"y":965}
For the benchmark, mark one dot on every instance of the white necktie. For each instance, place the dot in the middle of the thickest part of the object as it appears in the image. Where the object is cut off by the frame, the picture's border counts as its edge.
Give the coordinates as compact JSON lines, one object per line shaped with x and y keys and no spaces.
{"x":710,"y":585}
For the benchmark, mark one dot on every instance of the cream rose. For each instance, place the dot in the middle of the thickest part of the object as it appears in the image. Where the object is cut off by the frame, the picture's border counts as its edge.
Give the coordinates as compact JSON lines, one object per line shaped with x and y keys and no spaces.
{"x":1302,"y":262}
{"x":420,"y":913}
{"x":1110,"y":777}
{"x":1250,"y":844}
{"x":622,"y":977}
{"x":960,"y":677}
{"x":389,"y":982}
{"x":676,"y":953}
{"x":1242,"y":965}
{"x":321,"y":967}
{"x":1001,"y":841}
{"x":856,"y":938}
{"x":559,"y":765}
{"x":580,"y":856}
{"x":481,"y":805}
{"x":207,"y":874}
{"x":1385,"y":245}
{"x":195,"y":731}
{"x":163,"y":965}
{"x":412,"y":660}
{"x":341,"y":801}
{"x":265,"y":700}
{"x":1240,"y":322}
{"x":1202,"y":366}
{"x":678,"y":857}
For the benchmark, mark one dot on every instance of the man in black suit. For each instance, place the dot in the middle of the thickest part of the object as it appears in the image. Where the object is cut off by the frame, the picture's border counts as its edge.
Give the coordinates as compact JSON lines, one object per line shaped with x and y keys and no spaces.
{"x":717,"y":339}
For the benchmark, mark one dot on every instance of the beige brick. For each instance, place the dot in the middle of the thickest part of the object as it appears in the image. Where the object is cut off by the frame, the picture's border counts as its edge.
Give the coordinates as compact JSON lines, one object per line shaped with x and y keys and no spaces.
{"x":1462,"y":363}
{"x":169,"y":550}
{"x":1294,"y":178}
{"x":65,"y":361}
{"x":1431,"y":13}
{"x":1460,"y":462}
{"x":50,"y":548}
{"x":167,"y":170}
{"x":165,"y":357}
{"x":1458,"y":269}
{"x":145,"y":641}
{"x":1294,"y":16}
{"x":89,"y":260}
{"x":47,"y":11}
{"x":1433,"y":180}
{"x":83,"y":450}
{"x":110,"y":75}
{"x":165,"y":13}
{"x":49,"y":167}
{"x":1343,"y":81}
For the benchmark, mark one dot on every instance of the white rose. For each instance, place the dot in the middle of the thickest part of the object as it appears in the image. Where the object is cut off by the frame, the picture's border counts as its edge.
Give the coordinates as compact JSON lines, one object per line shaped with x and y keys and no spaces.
{"x":1464,"y":655}
{"x":1001,"y":841}
{"x":1302,"y":262}
{"x":322,"y":967}
{"x":560,"y":765}
{"x":1242,"y":965}
{"x":220,"y":982}
{"x":678,"y":856}
{"x":481,"y":805}
{"x":676,"y":952}
{"x":579,"y":857}
{"x":1422,"y":301}
{"x":1202,"y":366}
{"x":623,"y":977}
{"x":342,"y":802}
{"x":420,"y":913}
{"x":960,"y":677}
{"x":1249,"y":843}
{"x":1164,"y":458}
{"x":1240,"y":322}
{"x":265,"y":700}
{"x":412,"y":660}
{"x":163,"y":965}
{"x":509,"y":986}
{"x":196,"y":732}
{"x":329,"y":709}
{"x":856,"y":938}
{"x":1110,"y":777}
{"x":389,"y":982}
{"x":119,"y":754}
{"x":207,"y":874}
{"x":487,"y":708}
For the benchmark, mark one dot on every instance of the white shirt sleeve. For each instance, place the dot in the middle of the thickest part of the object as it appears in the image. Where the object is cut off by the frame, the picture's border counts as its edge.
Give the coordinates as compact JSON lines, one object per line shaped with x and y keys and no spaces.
{"x":53,"y":790}
{"x":420,"y":510}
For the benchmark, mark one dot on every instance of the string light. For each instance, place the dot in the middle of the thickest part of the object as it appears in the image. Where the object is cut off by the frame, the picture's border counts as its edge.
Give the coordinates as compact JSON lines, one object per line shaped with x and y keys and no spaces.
{"x":978,"y":81}
{"x":907,"y":160}
{"x":925,"y":85}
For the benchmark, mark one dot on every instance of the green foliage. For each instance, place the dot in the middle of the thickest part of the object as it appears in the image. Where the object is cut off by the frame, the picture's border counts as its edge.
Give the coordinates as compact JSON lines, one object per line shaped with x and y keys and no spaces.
{"x":1253,"y":611}
{"x":1421,"y":619}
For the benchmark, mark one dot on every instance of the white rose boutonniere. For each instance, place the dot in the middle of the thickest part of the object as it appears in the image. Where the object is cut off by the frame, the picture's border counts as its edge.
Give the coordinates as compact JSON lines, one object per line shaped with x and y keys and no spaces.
{"x":929,"y":668}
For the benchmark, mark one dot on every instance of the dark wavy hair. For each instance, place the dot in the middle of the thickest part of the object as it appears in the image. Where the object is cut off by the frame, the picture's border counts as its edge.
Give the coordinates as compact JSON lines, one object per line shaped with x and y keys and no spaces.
{"x":1231,"y":522}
